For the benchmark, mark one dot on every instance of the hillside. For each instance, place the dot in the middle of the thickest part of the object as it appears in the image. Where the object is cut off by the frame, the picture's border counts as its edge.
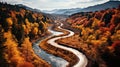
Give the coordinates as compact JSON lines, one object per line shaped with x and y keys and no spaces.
{"x":109,"y":4}
{"x":28,"y":8}
{"x":97,"y":36}
{"x":18,"y":28}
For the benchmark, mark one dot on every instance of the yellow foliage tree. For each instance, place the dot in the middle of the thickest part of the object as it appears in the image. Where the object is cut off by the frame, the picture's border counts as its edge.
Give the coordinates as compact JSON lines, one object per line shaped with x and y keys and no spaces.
{"x":28,"y":26}
{"x":9,"y":21}
{"x":116,"y":36}
{"x":36,"y":24}
{"x":35,"y":30}
{"x":12,"y":54}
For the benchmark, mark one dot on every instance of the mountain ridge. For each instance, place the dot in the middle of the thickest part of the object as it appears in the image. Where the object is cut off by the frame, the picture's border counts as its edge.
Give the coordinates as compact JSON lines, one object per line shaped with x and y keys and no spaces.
{"x":29,"y":8}
{"x":106,"y":5}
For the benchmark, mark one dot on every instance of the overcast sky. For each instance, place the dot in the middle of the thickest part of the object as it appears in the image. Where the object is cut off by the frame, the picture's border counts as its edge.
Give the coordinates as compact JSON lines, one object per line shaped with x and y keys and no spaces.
{"x":56,"y":4}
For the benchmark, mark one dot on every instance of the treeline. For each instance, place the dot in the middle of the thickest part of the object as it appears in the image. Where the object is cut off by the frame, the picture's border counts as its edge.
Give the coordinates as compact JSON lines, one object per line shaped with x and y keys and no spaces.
{"x":18,"y":27}
{"x":101,"y":30}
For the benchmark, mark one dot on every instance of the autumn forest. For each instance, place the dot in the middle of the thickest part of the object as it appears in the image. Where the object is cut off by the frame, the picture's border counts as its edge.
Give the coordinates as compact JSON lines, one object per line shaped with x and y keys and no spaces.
{"x":94,"y":34}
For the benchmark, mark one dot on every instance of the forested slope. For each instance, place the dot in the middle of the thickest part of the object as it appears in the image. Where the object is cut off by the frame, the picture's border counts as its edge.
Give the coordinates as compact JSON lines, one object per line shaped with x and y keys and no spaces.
{"x":18,"y":27}
{"x":98,"y":36}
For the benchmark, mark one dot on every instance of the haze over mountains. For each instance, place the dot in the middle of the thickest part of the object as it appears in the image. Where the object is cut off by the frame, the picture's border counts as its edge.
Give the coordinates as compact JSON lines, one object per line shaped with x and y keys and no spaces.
{"x":109,"y":4}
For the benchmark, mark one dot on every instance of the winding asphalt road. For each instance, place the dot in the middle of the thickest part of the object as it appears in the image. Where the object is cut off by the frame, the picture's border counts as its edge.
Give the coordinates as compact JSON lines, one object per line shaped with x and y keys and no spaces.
{"x":82,"y":58}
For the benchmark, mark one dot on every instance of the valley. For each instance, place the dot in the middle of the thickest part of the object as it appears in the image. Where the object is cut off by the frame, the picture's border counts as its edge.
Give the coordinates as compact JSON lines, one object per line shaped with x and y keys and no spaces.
{"x":88,"y":37}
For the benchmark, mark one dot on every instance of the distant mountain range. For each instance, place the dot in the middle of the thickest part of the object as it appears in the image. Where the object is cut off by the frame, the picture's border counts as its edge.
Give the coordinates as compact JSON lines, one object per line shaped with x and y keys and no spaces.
{"x":109,"y":4}
{"x":63,"y":11}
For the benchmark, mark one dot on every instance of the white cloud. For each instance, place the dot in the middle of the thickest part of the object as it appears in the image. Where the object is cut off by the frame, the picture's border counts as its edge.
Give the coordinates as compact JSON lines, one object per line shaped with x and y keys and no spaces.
{"x":12,"y":1}
{"x":55,"y":4}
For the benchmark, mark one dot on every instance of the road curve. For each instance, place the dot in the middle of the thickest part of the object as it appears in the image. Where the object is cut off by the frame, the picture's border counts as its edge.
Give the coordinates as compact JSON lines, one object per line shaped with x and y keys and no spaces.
{"x":82,"y":58}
